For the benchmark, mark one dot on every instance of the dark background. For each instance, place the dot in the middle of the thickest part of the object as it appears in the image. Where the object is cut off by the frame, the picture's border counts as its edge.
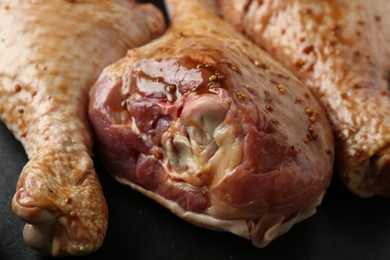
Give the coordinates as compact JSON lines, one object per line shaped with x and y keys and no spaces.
{"x":345,"y":227}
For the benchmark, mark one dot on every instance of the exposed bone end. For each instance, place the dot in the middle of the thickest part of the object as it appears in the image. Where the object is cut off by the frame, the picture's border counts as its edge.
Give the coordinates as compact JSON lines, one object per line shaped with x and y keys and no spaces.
{"x":39,"y":239}
{"x":372,"y":177}
{"x":53,"y":240}
{"x":63,"y":218}
{"x":57,"y":233}
{"x":381,"y":163}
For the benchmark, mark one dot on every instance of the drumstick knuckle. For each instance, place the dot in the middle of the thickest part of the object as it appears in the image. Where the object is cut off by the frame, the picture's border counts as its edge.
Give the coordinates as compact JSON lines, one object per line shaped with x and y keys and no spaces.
{"x":51,"y":52}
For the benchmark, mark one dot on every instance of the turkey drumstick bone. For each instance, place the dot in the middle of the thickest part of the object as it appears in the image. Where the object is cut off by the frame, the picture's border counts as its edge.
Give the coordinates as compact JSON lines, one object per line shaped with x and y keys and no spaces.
{"x":51,"y":52}
{"x":341,"y":50}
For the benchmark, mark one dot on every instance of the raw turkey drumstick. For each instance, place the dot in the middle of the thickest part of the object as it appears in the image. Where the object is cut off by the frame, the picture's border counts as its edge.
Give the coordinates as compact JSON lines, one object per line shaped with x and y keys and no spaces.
{"x":51,"y":52}
{"x":207,"y":124}
{"x":341,"y":50}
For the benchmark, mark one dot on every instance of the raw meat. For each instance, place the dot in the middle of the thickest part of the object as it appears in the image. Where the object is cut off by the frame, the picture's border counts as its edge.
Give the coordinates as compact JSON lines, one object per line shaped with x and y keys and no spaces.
{"x":341,"y":50}
{"x":207,"y":124}
{"x":51,"y":52}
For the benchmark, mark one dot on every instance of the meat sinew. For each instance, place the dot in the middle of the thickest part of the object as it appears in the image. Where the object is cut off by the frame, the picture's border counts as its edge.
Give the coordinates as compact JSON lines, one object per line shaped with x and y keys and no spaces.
{"x":51,"y":52}
{"x":208,"y":125}
{"x":341,"y":50}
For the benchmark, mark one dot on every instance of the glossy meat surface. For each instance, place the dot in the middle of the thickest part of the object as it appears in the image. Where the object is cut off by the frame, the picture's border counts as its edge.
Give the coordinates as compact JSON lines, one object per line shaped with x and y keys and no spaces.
{"x":51,"y":52}
{"x":341,"y":50}
{"x":207,"y":124}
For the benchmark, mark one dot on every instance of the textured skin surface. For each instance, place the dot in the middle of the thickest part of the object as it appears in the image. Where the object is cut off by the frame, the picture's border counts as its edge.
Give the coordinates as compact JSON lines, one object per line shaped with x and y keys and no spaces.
{"x":207,"y":124}
{"x":341,"y":50}
{"x":51,"y":52}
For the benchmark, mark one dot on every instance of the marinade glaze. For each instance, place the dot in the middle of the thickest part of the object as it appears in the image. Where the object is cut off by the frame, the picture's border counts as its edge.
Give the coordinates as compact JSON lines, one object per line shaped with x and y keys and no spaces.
{"x":340,"y":51}
{"x":208,"y":125}
{"x":51,"y":53}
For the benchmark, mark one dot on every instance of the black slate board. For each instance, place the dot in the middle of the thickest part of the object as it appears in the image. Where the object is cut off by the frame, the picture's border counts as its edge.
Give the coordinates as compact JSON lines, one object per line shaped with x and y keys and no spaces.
{"x":345,"y":227}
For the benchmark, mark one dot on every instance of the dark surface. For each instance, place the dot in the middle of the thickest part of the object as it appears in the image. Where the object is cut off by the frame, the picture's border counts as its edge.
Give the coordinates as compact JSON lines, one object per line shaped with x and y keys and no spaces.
{"x":345,"y":227}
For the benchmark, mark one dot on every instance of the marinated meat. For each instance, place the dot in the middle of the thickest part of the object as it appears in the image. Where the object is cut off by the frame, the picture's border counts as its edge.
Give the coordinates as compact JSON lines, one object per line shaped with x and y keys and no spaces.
{"x":210,"y":126}
{"x":341,"y":50}
{"x":51,"y":52}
